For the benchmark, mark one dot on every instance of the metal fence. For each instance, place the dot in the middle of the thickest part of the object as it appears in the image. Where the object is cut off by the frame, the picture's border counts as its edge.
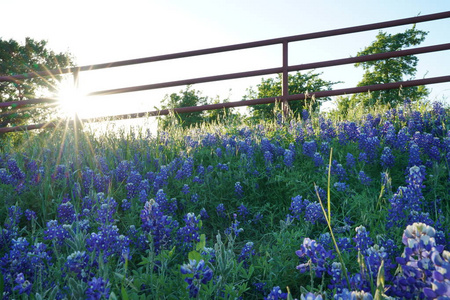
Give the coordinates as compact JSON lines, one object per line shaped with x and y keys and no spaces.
{"x":284,"y":69}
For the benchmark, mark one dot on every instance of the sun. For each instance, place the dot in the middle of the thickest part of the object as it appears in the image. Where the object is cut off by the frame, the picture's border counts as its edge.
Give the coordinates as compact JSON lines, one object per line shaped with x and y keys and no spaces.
{"x":72,"y":101}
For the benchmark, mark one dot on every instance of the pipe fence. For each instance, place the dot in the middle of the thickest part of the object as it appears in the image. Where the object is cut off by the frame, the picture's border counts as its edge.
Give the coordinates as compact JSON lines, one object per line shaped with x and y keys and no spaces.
{"x":284,"y":69}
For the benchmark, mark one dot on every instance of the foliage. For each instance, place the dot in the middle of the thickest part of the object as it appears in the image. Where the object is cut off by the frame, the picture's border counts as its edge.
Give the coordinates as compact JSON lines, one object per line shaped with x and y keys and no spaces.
{"x":229,"y":211}
{"x":390,"y":70}
{"x":33,"y":56}
{"x":188,"y":98}
{"x":298,"y":83}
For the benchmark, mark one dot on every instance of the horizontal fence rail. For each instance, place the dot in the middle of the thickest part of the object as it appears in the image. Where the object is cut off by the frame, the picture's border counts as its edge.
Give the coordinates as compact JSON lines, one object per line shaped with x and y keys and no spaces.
{"x":284,"y":70}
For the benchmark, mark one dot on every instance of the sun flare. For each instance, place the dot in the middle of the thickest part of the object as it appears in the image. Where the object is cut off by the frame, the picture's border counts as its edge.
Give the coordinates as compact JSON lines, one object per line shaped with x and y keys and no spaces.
{"x":72,"y":101}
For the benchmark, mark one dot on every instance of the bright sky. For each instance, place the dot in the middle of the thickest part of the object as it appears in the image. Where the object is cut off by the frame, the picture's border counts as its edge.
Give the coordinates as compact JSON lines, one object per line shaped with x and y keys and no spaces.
{"x":98,"y":31}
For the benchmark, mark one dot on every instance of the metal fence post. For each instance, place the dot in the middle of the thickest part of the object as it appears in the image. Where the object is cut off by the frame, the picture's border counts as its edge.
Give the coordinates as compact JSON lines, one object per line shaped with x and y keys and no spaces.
{"x":285,"y":87}
{"x":77,"y":124}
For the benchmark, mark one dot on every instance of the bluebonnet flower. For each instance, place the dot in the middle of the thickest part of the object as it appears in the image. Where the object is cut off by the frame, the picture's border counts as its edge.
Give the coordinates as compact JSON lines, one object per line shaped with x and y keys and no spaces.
{"x":30,"y":215}
{"x":87,"y":176}
{"x":440,"y":281}
{"x":341,"y":186}
{"x":322,"y":193}
{"x":243,"y":211}
{"x":311,"y":296}
{"x":194,"y":198}
{"x":55,"y":232}
{"x":126,"y":205}
{"x":415,"y":123}
{"x":414,"y":155}
{"x":297,"y":206}
{"x":101,"y":182}
{"x":5,"y":177}
{"x":143,"y":196}
{"x":77,"y":263}
{"x":434,"y":153}
{"x":344,"y":244}
{"x":122,"y":170}
{"x":132,"y":186}
{"x":233,"y":229}
{"x":305,"y":114}
{"x":257,"y":217}
{"x":362,"y":239}
{"x":185,"y":189}
{"x":238,"y":190}
{"x":107,"y":209}
{"x":360,"y":295}
{"x":60,"y":173}
{"x":266,"y":145}
{"x":314,"y":213}
{"x":276,"y":294}
{"x":160,"y":226}
{"x":109,"y":242}
{"x":364,"y":179}
{"x":22,"y":262}
{"x":338,"y":170}
{"x":98,"y":288}
{"x":186,"y":169}
{"x":138,"y":239}
{"x":318,"y":160}
{"x":337,"y":281}
{"x":204,"y":214}
{"x":219,"y":152}
{"x":166,"y":206}
{"x":288,"y":158}
{"x":363,"y":157}
{"x":22,"y":286}
{"x":415,"y":262}
{"x":402,"y":140}
{"x":309,"y":148}
{"x":223,"y":167}
{"x":15,"y":171}
{"x":189,"y":234}
{"x":14,"y":215}
{"x":247,"y":253}
{"x":66,"y":212}
{"x":407,"y":199}
{"x":268,"y":157}
{"x":325,"y":148}
{"x":318,"y":258}
{"x":198,"y":273}
{"x":221,"y":211}
{"x":373,"y":257}
{"x":387,"y":158}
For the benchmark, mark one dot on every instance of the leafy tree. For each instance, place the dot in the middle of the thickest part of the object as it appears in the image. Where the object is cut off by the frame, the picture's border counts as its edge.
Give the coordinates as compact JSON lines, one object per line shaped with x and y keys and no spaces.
{"x":33,"y":56}
{"x":392,"y":69}
{"x":298,"y":83}
{"x":186,"y":98}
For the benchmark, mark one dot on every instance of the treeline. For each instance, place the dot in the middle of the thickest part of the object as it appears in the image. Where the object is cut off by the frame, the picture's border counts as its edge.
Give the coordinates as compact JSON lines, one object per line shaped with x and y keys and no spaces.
{"x":34,"y":56}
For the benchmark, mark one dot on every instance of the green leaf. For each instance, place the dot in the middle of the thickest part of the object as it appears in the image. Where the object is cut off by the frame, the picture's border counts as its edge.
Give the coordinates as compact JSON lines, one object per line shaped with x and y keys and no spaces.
{"x":202,"y":244}
{"x":124,"y":293}
{"x":195,"y":255}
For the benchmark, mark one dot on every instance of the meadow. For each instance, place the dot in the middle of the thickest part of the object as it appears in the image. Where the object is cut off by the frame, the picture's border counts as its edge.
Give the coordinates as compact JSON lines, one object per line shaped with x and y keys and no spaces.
{"x":308,"y":208}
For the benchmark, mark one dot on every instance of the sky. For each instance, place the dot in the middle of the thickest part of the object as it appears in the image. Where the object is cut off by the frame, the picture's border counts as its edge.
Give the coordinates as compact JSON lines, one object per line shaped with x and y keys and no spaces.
{"x":99,"y":31}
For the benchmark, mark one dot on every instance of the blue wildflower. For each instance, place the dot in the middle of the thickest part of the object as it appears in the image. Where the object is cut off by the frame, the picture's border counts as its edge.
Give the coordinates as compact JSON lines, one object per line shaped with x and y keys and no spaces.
{"x":198,"y":273}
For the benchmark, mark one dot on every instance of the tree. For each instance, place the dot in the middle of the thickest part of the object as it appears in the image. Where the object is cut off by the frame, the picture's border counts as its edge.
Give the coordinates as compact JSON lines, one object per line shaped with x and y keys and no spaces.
{"x":33,"y":56}
{"x":392,"y":69}
{"x":186,"y":98}
{"x":298,"y":83}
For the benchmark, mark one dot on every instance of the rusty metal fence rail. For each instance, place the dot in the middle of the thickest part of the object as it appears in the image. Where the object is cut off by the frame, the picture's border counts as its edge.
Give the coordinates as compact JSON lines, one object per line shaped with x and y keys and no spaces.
{"x":284,"y":70}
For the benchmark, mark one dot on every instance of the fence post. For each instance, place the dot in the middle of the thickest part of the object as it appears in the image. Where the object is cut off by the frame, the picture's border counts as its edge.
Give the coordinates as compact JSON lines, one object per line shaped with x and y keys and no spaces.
{"x":285,"y":82}
{"x":77,"y":124}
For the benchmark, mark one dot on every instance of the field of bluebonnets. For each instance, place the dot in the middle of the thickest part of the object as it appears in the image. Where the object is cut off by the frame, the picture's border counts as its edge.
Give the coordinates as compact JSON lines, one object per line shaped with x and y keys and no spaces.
{"x":232,"y":211}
